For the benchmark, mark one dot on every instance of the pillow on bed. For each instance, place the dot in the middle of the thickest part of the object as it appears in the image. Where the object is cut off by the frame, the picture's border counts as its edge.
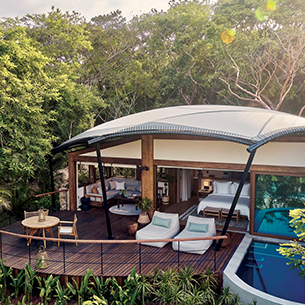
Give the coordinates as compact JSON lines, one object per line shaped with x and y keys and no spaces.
{"x":198,"y":227}
{"x":222,"y":187}
{"x":233,"y":188}
{"x":245,"y":192}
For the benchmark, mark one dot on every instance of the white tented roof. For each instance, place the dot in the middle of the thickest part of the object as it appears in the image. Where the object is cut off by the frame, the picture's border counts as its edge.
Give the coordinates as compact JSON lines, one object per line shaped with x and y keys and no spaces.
{"x":250,"y":126}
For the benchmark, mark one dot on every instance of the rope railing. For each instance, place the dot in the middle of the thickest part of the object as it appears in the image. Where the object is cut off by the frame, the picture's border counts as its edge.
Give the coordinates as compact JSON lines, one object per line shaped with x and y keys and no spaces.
{"x":113,"y":241}
{"x":9,"y":214}
{"x":49,"y":193}
{"x":102,"y":256}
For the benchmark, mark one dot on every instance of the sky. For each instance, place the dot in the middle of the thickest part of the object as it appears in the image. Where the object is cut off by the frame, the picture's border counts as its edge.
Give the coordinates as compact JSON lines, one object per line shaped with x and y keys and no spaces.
{"x":88,"y":8}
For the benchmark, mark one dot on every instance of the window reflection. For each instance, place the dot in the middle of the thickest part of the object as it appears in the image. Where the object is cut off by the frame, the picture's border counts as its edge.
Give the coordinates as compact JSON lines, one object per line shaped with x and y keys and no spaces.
{"x":275,"y":195}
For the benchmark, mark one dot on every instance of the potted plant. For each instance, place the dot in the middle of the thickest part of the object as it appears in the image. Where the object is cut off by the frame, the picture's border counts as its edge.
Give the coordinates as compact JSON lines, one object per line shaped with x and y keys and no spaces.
{"x":123,"y":193}
{"x":144,"y":204}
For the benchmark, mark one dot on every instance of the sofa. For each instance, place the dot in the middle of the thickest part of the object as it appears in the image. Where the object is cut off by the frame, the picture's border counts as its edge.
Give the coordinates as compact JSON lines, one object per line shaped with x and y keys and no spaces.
{"x":114,"y":187}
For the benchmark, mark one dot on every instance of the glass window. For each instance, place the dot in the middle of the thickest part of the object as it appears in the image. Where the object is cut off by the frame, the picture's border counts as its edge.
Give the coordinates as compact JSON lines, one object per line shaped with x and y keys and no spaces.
{"x":275,"y":195}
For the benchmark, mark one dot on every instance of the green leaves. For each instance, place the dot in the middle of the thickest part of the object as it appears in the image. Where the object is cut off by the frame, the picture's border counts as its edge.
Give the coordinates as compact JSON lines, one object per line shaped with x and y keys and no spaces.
{"x":60,"y":75}
{"x":165,"y":287}
{"x":294,"y":251}
{"x":62,"y":295}
{"x":17,"y":283}
{"x":29,"y":278}
{"x":81,"y":291}
{"x":47,"y":288}
{"x":41,"y":102}
{"x":5,"y":274}
{"x":23,"y":124}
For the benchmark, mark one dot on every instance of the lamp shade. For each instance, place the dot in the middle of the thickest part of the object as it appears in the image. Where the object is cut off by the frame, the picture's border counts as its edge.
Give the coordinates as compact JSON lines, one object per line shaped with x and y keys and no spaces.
{"x":41,"y":215}
{"x":206,"y":183}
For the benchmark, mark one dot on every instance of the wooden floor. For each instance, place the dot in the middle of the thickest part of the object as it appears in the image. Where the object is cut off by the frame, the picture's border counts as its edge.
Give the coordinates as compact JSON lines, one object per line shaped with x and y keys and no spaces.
{"x":107,"y":259}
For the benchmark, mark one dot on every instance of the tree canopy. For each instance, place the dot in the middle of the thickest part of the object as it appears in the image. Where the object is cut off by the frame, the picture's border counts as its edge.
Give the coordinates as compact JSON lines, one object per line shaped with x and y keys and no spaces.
{"x":61,"y":74}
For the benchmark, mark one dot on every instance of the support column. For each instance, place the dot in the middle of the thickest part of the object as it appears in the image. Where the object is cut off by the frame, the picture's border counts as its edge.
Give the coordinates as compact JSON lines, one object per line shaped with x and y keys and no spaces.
{"x":178,"y":190}
{"x":100,"y":167}
{"x":148,"y":177}
{"x":109,"y":170}
{"x":172,"y":186}
{"x":72,"y":183}
{"x":92,"y":174}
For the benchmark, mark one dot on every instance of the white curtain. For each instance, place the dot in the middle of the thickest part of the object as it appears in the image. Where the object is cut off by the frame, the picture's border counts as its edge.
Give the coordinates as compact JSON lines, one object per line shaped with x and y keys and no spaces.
{"x":185,"y":184}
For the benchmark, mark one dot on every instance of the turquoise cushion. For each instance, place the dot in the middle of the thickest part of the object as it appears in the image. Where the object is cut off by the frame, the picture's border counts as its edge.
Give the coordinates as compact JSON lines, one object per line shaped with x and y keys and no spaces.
{"x":162,"y":222}
{"x":198,"y":227}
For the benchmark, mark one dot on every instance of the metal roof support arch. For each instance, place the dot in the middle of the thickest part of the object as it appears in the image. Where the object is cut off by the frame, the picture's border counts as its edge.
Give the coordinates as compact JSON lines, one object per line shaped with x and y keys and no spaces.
{"x":236,"y":197}
{"x":100,"y":167}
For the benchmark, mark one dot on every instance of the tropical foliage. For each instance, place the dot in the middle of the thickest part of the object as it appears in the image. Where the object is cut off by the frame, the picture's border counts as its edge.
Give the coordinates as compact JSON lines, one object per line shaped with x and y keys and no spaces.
{"x":61,"y":74}
{"x":180,"y":286}
{"x":295,"y":251}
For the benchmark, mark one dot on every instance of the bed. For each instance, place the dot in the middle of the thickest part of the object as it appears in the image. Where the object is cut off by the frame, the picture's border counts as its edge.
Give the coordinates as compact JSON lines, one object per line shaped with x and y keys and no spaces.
{"x":222,"y":197}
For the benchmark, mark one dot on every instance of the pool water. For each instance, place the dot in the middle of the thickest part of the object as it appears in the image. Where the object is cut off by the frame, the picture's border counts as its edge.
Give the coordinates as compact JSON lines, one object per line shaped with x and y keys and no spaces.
{"x":265,"y":269}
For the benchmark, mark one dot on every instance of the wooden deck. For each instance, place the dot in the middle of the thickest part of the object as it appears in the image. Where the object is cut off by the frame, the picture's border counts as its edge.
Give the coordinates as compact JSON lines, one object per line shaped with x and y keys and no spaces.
{"x":107,"y":259}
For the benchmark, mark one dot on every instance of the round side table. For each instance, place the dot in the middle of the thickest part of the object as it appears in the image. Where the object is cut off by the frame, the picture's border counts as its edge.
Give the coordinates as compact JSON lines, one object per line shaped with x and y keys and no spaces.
{"x":132,"y":227}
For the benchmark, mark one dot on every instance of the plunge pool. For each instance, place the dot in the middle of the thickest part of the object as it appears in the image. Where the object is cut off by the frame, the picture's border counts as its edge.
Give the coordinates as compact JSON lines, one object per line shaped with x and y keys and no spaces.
{"x":258,"y":272}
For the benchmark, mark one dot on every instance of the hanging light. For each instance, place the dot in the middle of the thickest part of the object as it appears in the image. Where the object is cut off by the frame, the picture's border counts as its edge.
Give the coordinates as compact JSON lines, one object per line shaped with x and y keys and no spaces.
{"x":43,"y":256}
{"x":41,"y":215}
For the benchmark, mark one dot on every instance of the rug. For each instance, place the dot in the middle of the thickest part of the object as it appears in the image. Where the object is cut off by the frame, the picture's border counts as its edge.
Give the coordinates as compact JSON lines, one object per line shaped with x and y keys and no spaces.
{"x":127,"y":209}
{"x":242,"y":224}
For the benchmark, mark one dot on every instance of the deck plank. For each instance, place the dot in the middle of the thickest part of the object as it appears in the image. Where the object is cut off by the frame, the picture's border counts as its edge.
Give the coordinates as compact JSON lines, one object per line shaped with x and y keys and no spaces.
{"x":117,"y":259}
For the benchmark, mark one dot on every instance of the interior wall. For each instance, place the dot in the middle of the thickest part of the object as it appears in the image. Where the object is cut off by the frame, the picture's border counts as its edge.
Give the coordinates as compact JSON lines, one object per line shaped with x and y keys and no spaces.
{"x":274,"y":153}
{"x":126,"y":150}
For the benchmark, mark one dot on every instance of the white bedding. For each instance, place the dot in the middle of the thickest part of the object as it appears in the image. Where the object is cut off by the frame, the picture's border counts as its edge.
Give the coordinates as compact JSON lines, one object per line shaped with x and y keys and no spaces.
{"x":223,"y":195}
{"x":225,"y":201}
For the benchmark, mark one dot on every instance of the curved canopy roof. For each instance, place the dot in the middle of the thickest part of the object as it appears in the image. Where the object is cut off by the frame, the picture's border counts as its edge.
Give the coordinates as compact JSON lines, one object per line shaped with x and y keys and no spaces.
{"x":246,"y":125}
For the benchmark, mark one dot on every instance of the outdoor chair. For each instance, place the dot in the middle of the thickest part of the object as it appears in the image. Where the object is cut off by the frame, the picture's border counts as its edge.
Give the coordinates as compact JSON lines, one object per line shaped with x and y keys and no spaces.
{"x":68,"y":230}
{"x":196,"y":227}
{"x":162,"y":226}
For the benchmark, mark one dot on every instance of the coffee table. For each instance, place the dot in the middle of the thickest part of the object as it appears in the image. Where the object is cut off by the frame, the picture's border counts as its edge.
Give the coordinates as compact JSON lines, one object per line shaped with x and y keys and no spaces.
{"x":33,"y":224}
{"x":122,"y":200}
